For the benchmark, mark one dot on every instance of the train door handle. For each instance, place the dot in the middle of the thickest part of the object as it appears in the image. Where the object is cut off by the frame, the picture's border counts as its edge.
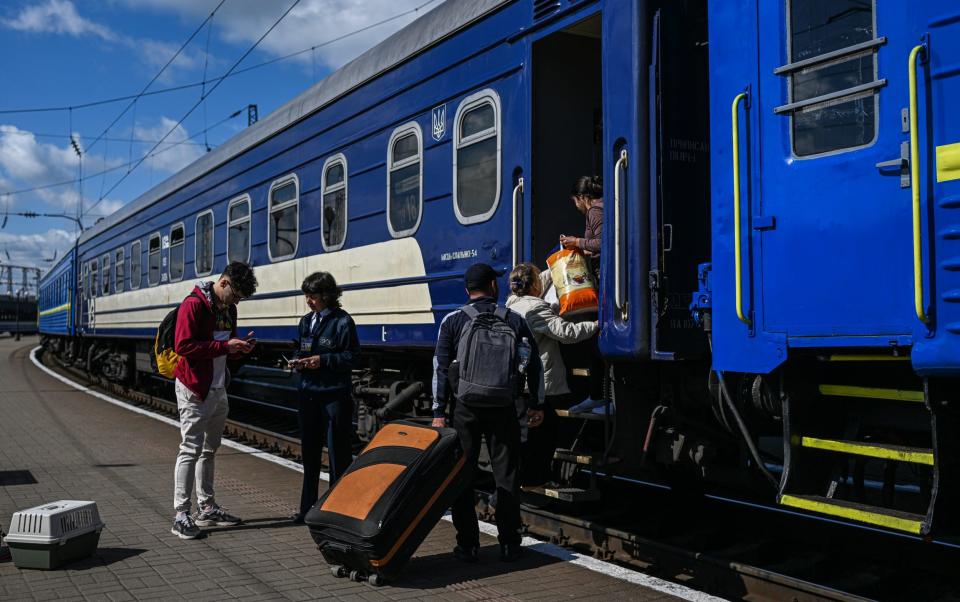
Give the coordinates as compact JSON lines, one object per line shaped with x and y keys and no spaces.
{"x":898,"y":167}
{"x":737,"y":243}
{"x":618,"y":298}
{"x":915,"y":185}
{"x":517,"y":193}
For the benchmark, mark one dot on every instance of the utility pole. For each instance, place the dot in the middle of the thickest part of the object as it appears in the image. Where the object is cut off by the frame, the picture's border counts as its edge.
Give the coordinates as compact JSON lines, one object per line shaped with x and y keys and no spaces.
{"x":76,"y":149}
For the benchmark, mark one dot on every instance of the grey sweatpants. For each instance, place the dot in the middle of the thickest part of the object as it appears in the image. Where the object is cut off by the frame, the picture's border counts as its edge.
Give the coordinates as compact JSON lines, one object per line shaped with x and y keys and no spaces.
{"x":201,"y":427}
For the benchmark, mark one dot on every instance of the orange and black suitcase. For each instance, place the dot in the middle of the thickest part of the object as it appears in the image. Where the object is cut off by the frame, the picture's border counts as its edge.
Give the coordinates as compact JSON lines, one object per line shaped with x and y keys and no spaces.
{"x":375,"y":517}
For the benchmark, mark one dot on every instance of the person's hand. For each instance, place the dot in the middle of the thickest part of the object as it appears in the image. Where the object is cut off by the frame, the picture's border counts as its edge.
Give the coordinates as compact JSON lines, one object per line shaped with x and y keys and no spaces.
{"x":534,"y":418}
{"x":569,"y":242}
{"x":310,"y":363}
{"x":235,"y":346}
{"x":251,"y":340}
{"x":439,"y":423}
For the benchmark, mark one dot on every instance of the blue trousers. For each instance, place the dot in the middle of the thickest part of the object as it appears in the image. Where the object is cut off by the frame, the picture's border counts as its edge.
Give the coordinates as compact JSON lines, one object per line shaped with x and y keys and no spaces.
{"x":324,"y":419}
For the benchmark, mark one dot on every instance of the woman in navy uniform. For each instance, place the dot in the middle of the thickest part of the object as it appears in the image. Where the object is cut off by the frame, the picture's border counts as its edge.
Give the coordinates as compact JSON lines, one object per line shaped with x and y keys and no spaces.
{"x":329,"y":351}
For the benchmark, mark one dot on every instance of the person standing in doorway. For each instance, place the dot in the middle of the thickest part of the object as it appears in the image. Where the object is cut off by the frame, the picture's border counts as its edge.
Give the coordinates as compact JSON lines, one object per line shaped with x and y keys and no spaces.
{"x":329,"y":351}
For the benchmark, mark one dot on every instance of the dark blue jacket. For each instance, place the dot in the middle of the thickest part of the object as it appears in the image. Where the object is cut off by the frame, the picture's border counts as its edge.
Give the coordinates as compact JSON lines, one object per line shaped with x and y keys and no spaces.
{"x":335,"y":340}
{"x":448,"y":340}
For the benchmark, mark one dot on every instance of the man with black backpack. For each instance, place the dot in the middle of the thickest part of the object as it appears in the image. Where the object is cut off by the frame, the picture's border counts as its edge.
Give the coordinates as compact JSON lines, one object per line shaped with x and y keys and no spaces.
{"x":485,"y":353}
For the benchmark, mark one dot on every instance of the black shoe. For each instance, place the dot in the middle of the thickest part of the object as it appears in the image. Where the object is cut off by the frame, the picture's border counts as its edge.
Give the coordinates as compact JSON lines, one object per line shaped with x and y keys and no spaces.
{"x":468,"y":554}
{"x":510,"y":552}
{"x":298,"y":518}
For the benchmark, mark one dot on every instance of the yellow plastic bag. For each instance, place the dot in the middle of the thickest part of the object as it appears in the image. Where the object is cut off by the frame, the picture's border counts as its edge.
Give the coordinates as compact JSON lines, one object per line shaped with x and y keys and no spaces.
{"x":576,"y":289}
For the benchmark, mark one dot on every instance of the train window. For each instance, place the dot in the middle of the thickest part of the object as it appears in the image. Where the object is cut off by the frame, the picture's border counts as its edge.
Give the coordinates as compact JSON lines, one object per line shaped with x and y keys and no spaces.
{"x":476,"y":157}
{"x":135,"y":264}
{"x":284,"y":220}
{"x":118,"y":270}
{"x":153,"y":260}
{"x":105,"y":274}
{"x":404,"y":177}
{"x":334,"y":210}
{"x":203,"y":244}
{"x":176,"y":252}
{"x":833,"y":101}
{"x":238,"y":230}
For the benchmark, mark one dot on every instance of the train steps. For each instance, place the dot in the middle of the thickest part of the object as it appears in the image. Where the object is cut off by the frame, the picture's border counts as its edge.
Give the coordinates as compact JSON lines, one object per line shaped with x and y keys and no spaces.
{"x":865,"y":452}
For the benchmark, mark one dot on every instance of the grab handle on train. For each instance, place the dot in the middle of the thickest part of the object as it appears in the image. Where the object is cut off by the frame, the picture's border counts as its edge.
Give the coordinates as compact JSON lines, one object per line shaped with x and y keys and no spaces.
{"x":737,"y":226}
{"x":915,"y":186}
{"x":517,"y":193}
{"x":619,"y":299}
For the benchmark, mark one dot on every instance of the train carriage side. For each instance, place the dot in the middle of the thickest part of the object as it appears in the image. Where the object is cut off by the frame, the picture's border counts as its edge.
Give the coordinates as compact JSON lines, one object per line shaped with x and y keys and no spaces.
{"x":833,"y":265}
{"x":55,"y":302}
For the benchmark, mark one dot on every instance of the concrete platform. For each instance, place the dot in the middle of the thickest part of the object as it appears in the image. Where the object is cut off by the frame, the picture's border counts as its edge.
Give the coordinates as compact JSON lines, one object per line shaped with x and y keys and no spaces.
{"x":60,"y":443}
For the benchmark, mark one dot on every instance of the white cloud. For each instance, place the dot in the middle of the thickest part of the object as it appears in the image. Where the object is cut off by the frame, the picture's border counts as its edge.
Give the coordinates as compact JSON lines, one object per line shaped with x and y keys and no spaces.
{"x":25,"y":163}
{"x":311,"y":23}
{"x":170,"y":156}
{"x":34,"y":249}
{"x":61,"y":17}
{"x":57,"y":16}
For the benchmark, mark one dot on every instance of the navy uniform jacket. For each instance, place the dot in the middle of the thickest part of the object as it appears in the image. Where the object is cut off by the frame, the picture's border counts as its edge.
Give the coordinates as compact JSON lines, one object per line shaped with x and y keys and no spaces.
{"x":334,"y":339}
{"x":448,"y":340}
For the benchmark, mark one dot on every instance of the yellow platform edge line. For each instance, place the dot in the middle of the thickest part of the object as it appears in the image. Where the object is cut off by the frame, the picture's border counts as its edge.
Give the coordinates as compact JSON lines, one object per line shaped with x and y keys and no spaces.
{"x":54,"y":310}
{"x":871,"y":393}
{"x":863,"y":516}
{"x":839,"y":357}
{"x":865,"y":449}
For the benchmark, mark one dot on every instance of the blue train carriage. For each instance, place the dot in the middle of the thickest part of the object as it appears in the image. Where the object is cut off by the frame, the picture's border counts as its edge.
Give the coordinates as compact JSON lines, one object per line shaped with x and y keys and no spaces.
{"x":835,"y":168}
{"x":55,"y":319}
{"x":454,"y":141}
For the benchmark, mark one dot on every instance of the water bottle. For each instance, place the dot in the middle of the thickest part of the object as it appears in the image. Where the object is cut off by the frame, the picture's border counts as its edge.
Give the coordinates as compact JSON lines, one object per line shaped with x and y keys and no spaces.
{"x":524,"y":349}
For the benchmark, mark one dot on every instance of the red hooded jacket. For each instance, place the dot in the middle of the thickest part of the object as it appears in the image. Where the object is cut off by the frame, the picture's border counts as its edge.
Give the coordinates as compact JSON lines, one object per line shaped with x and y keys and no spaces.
{"x":194,"y":340}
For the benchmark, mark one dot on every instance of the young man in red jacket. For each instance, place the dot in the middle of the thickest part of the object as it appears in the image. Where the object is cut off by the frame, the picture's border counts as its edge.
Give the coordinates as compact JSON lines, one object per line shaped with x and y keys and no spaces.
{"x":206,"y":335}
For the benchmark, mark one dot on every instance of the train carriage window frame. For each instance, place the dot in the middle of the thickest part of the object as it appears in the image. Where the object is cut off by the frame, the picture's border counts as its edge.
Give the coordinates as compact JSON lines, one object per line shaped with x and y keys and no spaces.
{"x":211,"y":255}
{"x":136,"y":276}
{"x":233,"y":223}
{"x":119,"y":262}
{"x":150,"y":254}
{"x":469,"y":104}
{"x":330,"y":163}
{"x":407,"y":129}
{"x":106,"y":276}
{"x":804,"y":70}
{"x":183,"y":253}
{"x":271,"y":209}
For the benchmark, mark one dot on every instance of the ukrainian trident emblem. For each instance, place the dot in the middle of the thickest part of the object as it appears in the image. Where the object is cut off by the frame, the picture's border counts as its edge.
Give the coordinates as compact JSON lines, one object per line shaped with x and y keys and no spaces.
{"x":439,"y":122}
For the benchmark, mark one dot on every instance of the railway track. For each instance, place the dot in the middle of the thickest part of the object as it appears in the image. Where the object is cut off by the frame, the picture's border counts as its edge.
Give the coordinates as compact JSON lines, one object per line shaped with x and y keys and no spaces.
{"x":703,"y":544}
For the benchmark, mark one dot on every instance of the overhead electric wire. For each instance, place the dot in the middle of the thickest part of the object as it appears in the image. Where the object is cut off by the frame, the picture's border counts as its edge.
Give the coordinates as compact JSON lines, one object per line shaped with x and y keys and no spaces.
{"x":197,"y":104}
{"x":205,"y":82}
{"x":155,"y":77}
{"x":170,"y":146}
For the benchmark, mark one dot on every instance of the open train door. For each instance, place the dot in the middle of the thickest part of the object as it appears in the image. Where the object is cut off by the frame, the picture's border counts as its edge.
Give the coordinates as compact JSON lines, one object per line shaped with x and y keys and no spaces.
{"x":625,"y":251}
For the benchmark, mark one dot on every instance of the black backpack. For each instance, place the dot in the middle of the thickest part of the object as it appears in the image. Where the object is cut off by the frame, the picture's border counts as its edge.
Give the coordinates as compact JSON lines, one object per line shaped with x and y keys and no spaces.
{"x":487,"y":359}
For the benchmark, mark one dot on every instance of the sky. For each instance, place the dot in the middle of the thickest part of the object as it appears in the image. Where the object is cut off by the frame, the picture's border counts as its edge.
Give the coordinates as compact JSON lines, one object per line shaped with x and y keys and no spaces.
{"x":59,"y":54}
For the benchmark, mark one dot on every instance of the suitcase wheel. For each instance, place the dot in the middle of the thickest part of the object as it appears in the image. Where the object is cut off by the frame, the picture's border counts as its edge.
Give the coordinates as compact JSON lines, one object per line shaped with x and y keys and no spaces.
{"x":338,"y":571}
{"x":355,"y":576}
{"x":375,"y":580}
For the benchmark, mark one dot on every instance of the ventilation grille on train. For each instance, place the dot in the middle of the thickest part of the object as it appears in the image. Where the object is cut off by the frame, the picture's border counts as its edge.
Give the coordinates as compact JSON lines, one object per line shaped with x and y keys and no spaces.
{"x":544,"y":8}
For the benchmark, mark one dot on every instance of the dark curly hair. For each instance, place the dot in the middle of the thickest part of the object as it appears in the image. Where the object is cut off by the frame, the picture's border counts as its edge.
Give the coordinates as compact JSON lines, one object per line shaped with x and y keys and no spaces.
{"x":524,"y":278}
{"x":324,"y":285}
{"x":241,"y":277}
{"x":588,"y":186}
